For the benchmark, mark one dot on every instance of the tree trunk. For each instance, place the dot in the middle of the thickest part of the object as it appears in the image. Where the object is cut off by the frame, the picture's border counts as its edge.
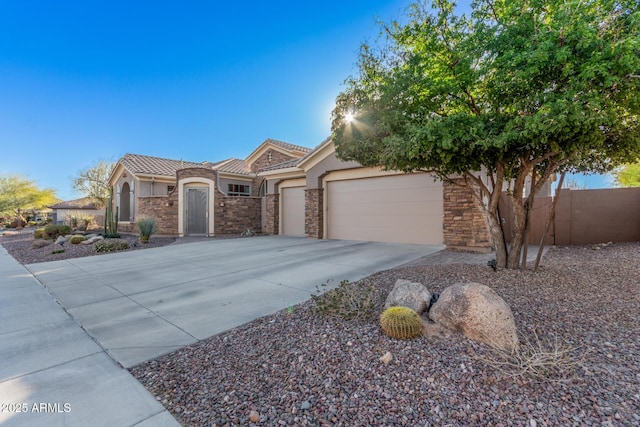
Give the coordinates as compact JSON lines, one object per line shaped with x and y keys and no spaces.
{"x":498,"y":238}
{"x":547,"y":224}
{"x":517,"y":235}
{"x":527,"y":219}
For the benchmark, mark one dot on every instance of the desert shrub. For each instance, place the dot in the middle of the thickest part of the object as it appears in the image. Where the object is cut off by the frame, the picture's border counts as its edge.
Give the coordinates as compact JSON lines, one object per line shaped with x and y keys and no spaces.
{"x":57,"y":251}
{"x":547,"y":360}
{"x":38,"y":233}
{"x":351,"y":301}
{"x":32,"y":223}
{"x":40,"y":244}
{"x":77,"y":238}
{"x":53,"y":231}
{"x":78,"y":220}
{"x":110,"y":245}
{"x":146,"y":227}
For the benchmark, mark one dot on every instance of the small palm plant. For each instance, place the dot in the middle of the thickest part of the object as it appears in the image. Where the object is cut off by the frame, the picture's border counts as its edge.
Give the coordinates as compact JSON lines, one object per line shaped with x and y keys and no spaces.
{"x":146,"y":227}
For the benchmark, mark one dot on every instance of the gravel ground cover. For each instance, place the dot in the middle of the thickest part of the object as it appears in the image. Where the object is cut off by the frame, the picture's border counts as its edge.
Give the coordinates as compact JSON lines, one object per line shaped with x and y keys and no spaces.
{"x":298,"y":368}
{"x":19,"y":246}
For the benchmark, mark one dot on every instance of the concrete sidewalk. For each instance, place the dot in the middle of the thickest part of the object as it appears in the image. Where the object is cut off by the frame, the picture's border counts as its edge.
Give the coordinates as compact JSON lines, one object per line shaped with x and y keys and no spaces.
{"x":52,"y":373}
{"x":142,"y":304}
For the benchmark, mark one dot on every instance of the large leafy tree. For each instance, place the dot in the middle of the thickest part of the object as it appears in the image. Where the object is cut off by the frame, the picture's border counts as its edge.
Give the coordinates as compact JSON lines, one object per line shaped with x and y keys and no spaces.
{"x":516,"y":89}
{"x":18,"y":192}
{"x":94,"y":181}
{"x":628,"y":175}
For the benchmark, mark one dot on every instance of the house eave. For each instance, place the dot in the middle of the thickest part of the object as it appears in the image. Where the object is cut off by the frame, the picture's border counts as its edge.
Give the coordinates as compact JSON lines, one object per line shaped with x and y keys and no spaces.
{"x":322,"y":152}
{"x":291,"y":172}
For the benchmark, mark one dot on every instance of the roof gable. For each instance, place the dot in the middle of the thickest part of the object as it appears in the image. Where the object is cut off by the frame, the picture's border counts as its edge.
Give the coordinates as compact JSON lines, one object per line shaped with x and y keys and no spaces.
{"x":291,"y":150}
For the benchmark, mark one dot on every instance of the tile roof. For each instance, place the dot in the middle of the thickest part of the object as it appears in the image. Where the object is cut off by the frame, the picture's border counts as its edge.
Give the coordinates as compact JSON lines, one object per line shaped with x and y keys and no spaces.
{"x":233,"y":166}
{"x":287,"y":146}
{"x":83,"y":203}
{"x":149,"y":165}
{"x":294,"y":162}
{"x":286,"y":164}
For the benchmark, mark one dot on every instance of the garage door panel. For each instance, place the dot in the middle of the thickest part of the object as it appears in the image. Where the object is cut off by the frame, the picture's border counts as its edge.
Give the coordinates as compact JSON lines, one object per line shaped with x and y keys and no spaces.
{"x":400,"y":208}
{"x":292,"y":200}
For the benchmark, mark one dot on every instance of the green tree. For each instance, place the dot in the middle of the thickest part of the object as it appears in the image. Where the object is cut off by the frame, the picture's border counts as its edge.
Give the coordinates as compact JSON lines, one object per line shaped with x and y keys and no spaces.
{"x":94,"y":181}
{"x":18,"y":192}
{"x":516,"y":89}
{"x":628,"y":175}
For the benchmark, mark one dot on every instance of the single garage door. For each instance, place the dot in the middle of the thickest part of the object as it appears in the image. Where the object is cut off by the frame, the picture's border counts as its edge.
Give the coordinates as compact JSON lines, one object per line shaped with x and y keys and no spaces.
{"x":292,"y":200}
{"x":398,"y":208}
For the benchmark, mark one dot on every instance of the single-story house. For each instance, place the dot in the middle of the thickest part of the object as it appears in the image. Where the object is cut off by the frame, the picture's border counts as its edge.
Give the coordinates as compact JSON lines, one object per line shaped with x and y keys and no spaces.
{"x":285,"y":189}
{"x":85,"y":206}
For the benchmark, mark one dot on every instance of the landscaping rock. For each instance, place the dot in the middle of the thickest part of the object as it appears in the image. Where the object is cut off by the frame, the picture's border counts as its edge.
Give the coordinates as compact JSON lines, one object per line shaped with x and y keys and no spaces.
{"x":62,"y":239}
{"x":476,"y":311}
{"x":92,"y":240}
{"x":409,"y":294}
{"x":40,"y":244}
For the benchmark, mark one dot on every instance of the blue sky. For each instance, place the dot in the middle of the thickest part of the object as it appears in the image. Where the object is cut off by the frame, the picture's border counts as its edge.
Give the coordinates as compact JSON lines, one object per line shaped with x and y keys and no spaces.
{"x":82,"y":81}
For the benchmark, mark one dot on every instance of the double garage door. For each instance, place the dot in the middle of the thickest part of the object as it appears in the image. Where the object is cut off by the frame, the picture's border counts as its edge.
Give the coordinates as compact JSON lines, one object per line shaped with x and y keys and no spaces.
{"x":396,"y":208}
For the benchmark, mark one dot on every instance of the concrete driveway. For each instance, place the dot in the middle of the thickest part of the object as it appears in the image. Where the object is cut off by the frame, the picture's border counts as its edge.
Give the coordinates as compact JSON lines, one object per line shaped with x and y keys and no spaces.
{"x":142,"y":304}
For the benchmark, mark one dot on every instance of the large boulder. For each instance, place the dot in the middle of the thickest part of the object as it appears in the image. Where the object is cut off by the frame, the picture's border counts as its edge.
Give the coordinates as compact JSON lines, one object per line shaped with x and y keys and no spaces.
{"x":479,"y":313}
{"x":90,"y":240}
{"x":61,"y":240}
{"x":409,"y":294}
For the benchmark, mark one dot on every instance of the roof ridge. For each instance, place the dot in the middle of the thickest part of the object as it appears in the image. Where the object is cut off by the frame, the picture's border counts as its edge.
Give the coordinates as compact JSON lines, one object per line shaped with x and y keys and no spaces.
{"x":163,"y":158}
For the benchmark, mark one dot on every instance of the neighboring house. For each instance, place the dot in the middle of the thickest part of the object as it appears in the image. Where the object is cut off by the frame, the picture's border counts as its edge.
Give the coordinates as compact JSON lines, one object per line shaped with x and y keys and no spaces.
{"x":290,"y":190}
{"x":85,"y":206}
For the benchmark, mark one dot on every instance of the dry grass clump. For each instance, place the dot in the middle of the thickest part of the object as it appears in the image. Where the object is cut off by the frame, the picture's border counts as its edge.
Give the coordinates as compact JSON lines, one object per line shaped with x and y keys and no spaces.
{"x":549,"y":359}
{"x":349,"y":301}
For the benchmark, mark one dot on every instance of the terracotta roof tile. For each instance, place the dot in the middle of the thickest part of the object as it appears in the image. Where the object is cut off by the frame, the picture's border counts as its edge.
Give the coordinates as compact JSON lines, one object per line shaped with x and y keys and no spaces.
{"x":294,"y":162}
{"x":83,"y":203}
{"x":287,"y":164}
{"x":149,"y":165}
{"x":287,"y":146}
{"x":233,"y":166}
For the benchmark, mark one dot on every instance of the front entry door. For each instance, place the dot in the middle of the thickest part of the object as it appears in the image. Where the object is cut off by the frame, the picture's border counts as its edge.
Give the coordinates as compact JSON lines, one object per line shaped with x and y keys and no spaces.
{"x":197,"y":212}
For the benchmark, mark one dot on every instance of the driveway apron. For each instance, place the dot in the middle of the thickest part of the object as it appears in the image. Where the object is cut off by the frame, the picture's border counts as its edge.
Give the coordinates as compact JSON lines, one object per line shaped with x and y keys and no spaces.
{"x":142,"y":304}
{"x":52,"y":373}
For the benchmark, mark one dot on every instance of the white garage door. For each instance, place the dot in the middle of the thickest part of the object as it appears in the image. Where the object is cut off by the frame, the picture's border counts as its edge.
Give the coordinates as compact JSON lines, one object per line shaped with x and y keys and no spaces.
{"x":398,"y":208}
{"x":292,"y":200}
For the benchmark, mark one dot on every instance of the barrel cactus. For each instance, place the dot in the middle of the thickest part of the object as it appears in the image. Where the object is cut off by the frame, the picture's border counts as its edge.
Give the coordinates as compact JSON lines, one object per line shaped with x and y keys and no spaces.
{"x":401,"y":323}
{"x":77,"y":238}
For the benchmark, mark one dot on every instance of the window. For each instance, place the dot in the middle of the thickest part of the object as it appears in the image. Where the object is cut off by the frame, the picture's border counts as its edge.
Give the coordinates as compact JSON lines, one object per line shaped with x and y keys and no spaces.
{"x":238,"y":190}
{"x":170,"y":188}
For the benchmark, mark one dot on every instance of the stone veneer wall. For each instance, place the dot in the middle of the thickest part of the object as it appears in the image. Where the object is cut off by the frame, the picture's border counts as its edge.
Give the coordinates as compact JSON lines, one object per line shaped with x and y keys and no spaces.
{"x":464,"y":224}
{"x":235,"y":214}
{"x":313,"y":210}
{"x":164,"y":209}
{"x":263,"y":161}
{"x":273,"y":214}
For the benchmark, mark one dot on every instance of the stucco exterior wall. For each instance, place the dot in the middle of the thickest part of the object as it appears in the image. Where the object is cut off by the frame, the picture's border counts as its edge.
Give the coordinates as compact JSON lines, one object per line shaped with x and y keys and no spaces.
{"x":330,"y":163}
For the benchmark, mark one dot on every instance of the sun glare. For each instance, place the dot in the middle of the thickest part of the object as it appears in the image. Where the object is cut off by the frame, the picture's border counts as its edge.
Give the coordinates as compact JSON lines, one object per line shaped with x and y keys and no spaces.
{"x":348,"y":117}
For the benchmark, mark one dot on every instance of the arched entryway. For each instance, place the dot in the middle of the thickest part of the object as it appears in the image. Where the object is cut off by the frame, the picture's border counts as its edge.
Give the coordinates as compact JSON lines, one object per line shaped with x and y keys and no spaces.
{"x":125,"y":205}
